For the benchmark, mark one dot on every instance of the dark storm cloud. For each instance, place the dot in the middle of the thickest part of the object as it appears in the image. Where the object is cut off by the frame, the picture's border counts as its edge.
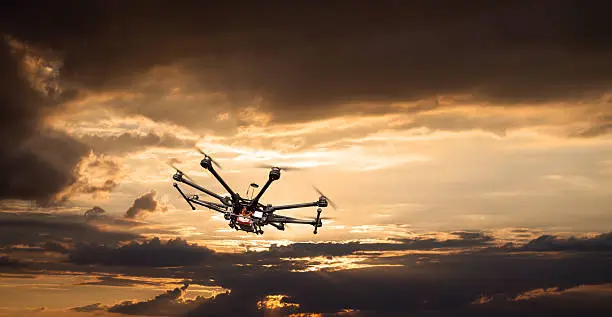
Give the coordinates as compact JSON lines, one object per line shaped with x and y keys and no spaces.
{"x":153,"y":253}
{"x":445,"y":284}
{"x":472,"y":236}
{"x":5,"y":261}
{"x":98,"y":216}
{"x":448,"y":284}
{"x":301,"y":59}
{"x":94,"y":212}
{"x":305,"y":249}
{"x":32,"y":173}
{"x":89,"y":308}
{"x":37,"y":163}
{"x":131,"y":142}
{"x":602,"y":242}
{"x":51,"y":232}
{"x":157,"y":253}
{"x":453,"y":283}
{"x":145,"y":203}
{"x":585,"y":301}
{"x":170,"y":303}
{"x":119,"y":281}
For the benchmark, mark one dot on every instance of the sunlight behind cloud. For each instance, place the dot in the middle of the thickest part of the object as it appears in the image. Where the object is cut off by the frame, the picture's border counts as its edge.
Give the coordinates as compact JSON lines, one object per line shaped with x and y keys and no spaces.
{"x":71,"y":290}
{"x":336,"y":263}
{"x":443,"y":168}
{"x":275,"y":302}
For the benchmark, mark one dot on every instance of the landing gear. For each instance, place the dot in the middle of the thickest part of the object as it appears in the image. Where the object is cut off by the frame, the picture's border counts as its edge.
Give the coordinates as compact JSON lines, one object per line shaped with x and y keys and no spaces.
{"x":255,"y":229}
{"x":317,"y":223}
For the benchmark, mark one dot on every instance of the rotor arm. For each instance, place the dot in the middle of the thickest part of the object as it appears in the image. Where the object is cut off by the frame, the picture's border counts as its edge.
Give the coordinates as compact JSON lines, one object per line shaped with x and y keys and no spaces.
{"x":280,"y":221}
{"x":206,"y":164}
{"x":209,"y":205}
{"x":181,"y":179}
{"x":300,"y":221}
{"x":255,"y":201}
{"x":294,"y":206}
{"x":183,"y":194}
{"x":293,"y":220}
{"x":322,"y":202}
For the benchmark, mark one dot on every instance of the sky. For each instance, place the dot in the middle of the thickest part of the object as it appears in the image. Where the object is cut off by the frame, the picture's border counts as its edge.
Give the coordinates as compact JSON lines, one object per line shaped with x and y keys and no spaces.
{"x":468,"y":147}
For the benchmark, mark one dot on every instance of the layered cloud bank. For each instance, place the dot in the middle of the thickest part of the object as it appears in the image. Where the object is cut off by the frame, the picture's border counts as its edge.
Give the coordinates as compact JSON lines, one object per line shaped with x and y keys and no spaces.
{"x":462,"y":272}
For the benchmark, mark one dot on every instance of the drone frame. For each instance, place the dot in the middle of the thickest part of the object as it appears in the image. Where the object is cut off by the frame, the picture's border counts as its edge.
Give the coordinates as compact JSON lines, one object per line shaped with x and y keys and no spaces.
{"x":232,"y":206}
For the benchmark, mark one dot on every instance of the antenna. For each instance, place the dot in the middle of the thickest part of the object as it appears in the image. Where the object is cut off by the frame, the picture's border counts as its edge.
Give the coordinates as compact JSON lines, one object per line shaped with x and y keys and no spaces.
{"x":253,"y":185}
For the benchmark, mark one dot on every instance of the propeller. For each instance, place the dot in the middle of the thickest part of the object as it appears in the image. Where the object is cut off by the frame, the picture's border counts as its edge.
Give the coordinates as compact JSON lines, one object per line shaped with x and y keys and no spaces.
{"x":171,"y":164}
{"x":210,"y":157}
{"x":284,"y":168}
{"x":326,"y":197}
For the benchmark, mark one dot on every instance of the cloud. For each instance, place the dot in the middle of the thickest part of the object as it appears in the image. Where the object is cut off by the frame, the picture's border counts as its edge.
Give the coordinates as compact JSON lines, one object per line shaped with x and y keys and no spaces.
{"x":89,"y":308}
{"x":584,"y":299}
{"x":109,"y":280}
{"x":94,"y":212}
{"x":153,"y":253}
{"x":437,"y":282}
{"x":551,"y":243}
{"x":145,"y":203}
{"x":451,"y":284}
{"x":131,"y":142}
{"x":53,"y":158}
{"x":97,"y":175}
{"x":170,"y":303}
{"x":53,"y":232}
{"x":305,"y":249}
{"x":297,"y":65}
{"x":5,"y":261}
{"x":33,"y":151}
{"x":601,"y":126}
{"x":443,"y":284}
{"x":592,"y":300}
{"x":98,"y":217}
{"x":178,"y":252}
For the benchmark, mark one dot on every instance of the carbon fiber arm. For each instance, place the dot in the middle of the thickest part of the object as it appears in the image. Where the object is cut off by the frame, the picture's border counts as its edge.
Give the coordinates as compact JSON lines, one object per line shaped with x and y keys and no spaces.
{"x":179,"y":178}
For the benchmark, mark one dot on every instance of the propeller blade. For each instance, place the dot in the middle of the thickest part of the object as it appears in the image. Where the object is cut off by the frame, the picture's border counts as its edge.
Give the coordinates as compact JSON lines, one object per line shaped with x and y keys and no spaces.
{"x":284,"y":168}
{"x":210,"y":157}
{"x":174,"y":160}
{"x":326,"y":197}
{"x":178,"y":170}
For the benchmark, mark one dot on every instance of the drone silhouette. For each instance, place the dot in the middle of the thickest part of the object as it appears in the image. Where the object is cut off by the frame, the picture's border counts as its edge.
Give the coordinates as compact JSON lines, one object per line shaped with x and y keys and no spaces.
{"x":248,"y":214}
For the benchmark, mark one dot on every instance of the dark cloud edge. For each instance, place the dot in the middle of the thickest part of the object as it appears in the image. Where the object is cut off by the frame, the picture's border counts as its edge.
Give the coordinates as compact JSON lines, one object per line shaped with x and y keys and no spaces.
{"x":228,"y":273}
{"x":302,"y":61}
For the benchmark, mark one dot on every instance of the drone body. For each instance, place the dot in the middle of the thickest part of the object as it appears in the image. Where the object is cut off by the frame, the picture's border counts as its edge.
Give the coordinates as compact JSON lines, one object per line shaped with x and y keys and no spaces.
{"x":247,"y":214}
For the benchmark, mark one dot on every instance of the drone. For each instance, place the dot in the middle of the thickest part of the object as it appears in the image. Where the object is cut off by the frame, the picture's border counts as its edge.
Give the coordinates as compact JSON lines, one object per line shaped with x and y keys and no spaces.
{"x":248,"y":214}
